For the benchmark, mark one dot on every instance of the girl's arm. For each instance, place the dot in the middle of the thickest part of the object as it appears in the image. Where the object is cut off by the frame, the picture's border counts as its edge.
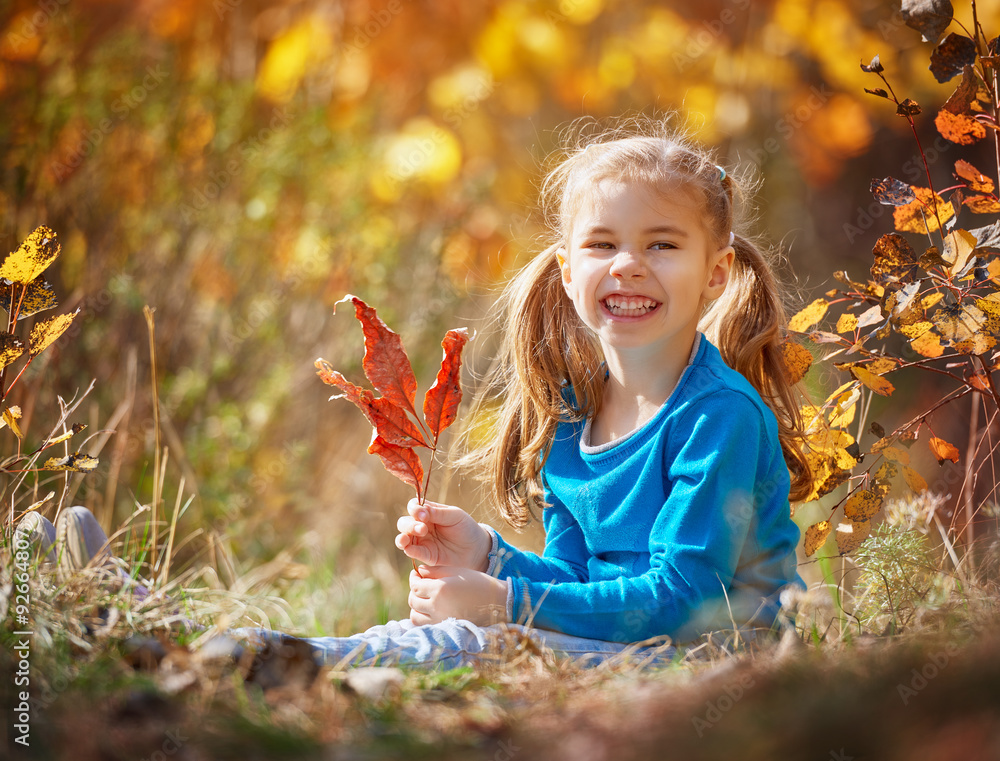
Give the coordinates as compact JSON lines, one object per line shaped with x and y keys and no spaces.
{"x":563,"y":560}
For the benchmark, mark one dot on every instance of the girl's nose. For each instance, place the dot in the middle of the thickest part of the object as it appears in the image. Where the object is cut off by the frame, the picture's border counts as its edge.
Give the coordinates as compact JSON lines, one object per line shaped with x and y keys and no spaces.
{"x":628,"y":264}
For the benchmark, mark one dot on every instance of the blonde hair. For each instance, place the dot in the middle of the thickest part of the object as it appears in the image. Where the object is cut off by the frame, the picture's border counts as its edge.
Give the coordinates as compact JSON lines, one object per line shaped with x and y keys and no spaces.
{"x":545,"y":347}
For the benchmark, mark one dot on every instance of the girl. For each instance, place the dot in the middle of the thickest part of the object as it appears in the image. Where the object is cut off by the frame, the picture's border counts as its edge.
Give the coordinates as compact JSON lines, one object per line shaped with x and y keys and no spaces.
{"x":643,"y":406}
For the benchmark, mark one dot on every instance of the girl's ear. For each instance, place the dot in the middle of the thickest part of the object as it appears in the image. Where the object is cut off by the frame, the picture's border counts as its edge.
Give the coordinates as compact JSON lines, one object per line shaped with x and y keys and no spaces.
{"x":719,"y":274}
{"x":563,"y":265}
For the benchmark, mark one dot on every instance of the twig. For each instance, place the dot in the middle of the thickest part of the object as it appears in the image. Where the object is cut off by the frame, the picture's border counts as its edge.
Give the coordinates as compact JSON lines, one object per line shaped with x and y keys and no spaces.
{"x":150,"y":323}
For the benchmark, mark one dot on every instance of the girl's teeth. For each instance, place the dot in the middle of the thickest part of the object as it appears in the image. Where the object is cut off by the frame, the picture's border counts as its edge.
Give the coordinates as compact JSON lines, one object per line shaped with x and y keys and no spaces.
{"x":629,"y":307}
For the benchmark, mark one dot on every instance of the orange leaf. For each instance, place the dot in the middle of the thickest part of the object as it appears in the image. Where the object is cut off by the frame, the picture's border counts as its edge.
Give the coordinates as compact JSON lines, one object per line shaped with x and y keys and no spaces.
{"x":927,"y":344}
{"x":943,"y":450}
{"x":442,"y":399}
{"x":815,"y":537}
{"x":914,"y":480}
{"x":982,"y":204}
{"x":862,"y":505}
{"x":797,"y":359}
{"x":956,"y":120}
{"x":385,"y":362}
{"x":402,"y":462}
{"x":975,"y":179}
{"x":851,"y":534}
{"x":895,"y":259}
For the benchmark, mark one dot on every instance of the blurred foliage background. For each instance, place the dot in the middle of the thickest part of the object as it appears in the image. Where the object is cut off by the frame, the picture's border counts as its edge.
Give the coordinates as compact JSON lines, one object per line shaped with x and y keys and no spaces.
{"x":239,"y":165}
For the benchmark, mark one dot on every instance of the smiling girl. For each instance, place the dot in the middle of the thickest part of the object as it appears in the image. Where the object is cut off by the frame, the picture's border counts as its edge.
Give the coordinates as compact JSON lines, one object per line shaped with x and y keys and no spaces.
{"x":641,"y":404}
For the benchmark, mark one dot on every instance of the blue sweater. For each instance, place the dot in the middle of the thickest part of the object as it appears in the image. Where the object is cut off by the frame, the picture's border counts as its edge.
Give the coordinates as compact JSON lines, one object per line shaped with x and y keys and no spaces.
{"x":679,"y":528}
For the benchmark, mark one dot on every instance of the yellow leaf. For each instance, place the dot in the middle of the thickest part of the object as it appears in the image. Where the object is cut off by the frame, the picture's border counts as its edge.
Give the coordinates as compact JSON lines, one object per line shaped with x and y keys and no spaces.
{"x":11,"y":347}
{"x":924,"y":215}
{"x":958,"y":247}
{"x":875,"y":382}
{"x":990,"y":307}
{"x":884,"y":477}
{"x":862,"y":505}
{"x":916,"y":329}
{"x":36,"y":297}
{"x":46,"y":332}
{"x":815,"y":537}
{"x":809,"y":316}
{"x":76,"y":462}
{"x":914,"y":480}
{"x":961,"y":327}
{"x":881,"y":366}
{"x":797,"y":359}
{"x":35,"y":505}
{"x":845,"y":407}
{"x":32,"y":257}
{"x":943,"y":450}
{"x":896,"y":454}
{"x":847,"y":323}
{"x":77,"y":427}
{"x":10,"y":418}
{"x":851,"y":534}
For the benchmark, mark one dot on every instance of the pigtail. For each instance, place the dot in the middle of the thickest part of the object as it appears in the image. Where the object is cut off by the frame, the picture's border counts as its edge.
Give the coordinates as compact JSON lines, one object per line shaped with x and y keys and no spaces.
{"x":746,"y":325}
{"x":544,"y":349}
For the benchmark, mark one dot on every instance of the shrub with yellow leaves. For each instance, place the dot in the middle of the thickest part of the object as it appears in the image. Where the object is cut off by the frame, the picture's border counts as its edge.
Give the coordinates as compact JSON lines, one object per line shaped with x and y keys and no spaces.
{"x":24,"y":293}
{"x":936,"y":312}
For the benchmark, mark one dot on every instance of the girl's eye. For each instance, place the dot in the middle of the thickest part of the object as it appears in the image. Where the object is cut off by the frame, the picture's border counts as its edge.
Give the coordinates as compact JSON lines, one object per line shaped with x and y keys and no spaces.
{"x":604,"y":245}
{"x":662,"y":246}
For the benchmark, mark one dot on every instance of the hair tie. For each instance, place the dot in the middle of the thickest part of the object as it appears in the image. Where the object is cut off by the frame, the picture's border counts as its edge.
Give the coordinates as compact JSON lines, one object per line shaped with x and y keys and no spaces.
{"x":722,"y":173}
{"x":732,"y":237}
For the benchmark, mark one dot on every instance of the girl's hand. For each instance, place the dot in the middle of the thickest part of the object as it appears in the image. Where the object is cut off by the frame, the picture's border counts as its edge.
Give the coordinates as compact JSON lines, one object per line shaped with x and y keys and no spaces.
{"x":438,"y":534}
{"x":440,"y":592}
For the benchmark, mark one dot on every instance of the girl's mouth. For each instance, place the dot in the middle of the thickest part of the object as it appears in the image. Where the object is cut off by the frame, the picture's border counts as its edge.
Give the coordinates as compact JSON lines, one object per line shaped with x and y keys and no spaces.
{"x":630,"y":306}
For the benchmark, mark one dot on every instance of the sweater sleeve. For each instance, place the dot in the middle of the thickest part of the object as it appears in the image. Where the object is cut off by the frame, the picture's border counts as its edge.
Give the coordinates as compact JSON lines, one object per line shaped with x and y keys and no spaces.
{"x":563,"y":560}
{"x":695,"y":544}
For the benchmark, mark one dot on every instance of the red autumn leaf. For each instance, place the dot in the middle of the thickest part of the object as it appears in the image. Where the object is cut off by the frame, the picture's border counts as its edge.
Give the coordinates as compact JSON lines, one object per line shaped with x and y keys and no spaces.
{"x":390,"y":421}
{"x":358,"y":395}
{"x":442,"y":400}
{"x":385,"y":362}
{"x":394,"y":425}
{"x":943,"y":450}
{"x":402,"y":462}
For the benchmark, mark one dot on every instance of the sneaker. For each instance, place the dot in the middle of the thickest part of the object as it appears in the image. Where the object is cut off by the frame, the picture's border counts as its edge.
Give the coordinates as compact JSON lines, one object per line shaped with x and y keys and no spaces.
{"x":81,"y":539}
{"x":36,"y":533}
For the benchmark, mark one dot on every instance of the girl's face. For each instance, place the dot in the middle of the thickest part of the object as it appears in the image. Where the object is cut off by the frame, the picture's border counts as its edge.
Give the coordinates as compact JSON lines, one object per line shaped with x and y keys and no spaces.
{"x":640,"y":266}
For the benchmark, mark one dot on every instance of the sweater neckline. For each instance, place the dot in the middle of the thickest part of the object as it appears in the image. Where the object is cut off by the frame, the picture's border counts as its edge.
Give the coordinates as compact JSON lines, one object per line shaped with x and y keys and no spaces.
{"x":585,"y":445}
